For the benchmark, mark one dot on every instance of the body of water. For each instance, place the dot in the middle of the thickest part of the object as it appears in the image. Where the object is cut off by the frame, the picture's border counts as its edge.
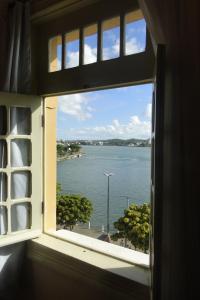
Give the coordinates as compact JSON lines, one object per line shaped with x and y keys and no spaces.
{"x":85,"y":175}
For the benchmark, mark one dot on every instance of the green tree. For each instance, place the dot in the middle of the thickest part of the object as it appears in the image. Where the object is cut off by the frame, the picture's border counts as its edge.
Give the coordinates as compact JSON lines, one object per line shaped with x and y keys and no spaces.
{"x":134,"y":226}
{"x":61,"y":149}
{"x":58,"y":190}
{"x":72,"y":209}
{"x":75,"y":148}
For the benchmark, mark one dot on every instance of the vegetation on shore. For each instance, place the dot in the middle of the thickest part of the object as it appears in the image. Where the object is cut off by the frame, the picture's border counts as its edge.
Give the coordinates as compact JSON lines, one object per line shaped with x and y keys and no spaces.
{"x":134,"y":226}
{"x":66,"y":150}
{"x":74,"y":145}
{"x":118,"y":142}
{"x":72,"y":209}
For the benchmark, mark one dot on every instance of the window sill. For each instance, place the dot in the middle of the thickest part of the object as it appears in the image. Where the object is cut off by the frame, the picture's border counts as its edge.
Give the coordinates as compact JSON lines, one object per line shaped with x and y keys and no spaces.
{"x":114,"y":259}
{"x":17,"y":237}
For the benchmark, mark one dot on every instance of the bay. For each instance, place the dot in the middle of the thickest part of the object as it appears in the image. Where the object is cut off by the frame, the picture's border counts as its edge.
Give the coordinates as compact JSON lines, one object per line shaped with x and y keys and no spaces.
{"x":85,"y":175}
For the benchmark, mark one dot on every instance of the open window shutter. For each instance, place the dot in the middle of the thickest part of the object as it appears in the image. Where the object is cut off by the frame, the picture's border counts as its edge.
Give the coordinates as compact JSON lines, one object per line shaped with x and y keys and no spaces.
{"x":157,"y":171}
{"x":20,"y":167}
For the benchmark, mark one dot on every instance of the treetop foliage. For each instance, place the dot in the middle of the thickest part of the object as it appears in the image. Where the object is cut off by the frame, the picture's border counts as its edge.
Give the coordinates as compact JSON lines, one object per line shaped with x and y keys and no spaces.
{"x":72,"y":209}
{"x":134,"y":226}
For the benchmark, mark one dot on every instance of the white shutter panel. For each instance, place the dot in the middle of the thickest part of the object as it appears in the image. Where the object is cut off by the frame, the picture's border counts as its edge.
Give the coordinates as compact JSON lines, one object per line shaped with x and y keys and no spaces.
{"x":20,"y":167}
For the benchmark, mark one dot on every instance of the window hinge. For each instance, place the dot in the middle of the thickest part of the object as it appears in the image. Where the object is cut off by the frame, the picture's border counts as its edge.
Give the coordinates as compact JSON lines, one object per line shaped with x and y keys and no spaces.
{"x":42,"y":207}
{"x":42,"y":120}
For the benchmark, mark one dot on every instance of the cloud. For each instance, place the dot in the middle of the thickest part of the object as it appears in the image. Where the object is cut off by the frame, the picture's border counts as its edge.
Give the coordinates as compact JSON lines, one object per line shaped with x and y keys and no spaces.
{"x":111,"y":52}
{"x":133,"y":46}
{"x":76,"y":105}
{"x":135,"y":128}
{"x":90,"y":54}
{"x":72,"y":59}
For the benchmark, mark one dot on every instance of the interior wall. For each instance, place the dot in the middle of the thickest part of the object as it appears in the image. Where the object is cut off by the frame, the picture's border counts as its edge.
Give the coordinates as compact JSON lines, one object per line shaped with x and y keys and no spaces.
{"x":50,"y":274}
{"x":11,"y":261}
{"x":177,"y":25}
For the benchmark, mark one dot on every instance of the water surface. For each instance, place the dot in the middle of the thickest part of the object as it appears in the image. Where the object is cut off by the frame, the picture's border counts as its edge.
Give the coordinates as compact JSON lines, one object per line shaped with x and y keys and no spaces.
{"x":85,"y":175}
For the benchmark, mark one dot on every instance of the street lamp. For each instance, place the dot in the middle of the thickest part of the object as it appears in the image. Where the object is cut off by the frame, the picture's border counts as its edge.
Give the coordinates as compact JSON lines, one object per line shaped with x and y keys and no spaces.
{"x":108,"y":202}
{"x":128,"y":203}
{"x":127,"y":199}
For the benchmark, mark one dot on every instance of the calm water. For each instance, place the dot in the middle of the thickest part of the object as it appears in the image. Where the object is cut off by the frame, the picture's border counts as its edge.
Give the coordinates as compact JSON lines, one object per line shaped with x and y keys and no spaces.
{"x":85,"y":175}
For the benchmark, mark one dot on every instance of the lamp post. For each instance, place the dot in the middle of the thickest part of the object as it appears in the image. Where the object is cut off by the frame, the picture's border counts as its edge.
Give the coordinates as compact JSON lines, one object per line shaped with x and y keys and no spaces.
{"x":127,"y":199}
{"x":127,"y":203}
{"x":108,"y":202}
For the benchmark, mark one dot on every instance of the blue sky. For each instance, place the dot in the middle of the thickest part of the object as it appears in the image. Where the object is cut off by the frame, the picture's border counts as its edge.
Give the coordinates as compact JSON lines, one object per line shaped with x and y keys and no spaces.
{"x":114,"y":113}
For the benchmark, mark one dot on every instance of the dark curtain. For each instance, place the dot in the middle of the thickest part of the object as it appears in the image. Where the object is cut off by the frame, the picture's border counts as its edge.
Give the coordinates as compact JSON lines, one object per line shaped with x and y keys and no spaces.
{"x":18,"y":67}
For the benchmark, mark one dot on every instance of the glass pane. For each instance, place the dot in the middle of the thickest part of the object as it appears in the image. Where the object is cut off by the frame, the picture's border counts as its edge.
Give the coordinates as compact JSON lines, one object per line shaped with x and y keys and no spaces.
{"x":3,"y":220}
{"x":3,"y":120}
{"x":20,"y":153}
{"x":20,"y":122}
{"x":20,"y":216}
{"x":20,"y":185}
{"x":111,"y":38}
{"x":135,"y":34}
{"x":90,"y":44}
{"x":3,"y":187}
{"x":55,"y":53}
{"x":3,"y":154}
{"x":72,"y":49}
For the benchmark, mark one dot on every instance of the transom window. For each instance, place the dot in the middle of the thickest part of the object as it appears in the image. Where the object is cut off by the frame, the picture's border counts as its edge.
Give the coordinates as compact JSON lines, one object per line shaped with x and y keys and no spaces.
{"x":109,"y":39}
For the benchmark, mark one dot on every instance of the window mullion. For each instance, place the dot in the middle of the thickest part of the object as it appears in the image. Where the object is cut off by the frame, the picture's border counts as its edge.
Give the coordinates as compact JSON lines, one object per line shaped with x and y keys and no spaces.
{"x":122,"y":34}
{"x":99,"y":42}
{"x":81,"y":47}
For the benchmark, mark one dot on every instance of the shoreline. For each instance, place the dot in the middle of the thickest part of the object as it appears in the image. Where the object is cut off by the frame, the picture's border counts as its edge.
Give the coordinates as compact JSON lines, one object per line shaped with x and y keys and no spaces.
{"x":70,"y":156}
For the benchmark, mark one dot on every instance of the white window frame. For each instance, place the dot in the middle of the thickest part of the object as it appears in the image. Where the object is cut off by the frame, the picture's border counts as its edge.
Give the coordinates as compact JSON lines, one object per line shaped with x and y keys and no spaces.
{"x":35,"y":104}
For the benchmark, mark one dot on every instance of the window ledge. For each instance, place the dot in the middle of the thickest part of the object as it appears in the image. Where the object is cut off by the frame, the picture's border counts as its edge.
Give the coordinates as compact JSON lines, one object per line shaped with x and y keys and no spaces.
{"x":125,"y":254}
{"x":123,"y":262}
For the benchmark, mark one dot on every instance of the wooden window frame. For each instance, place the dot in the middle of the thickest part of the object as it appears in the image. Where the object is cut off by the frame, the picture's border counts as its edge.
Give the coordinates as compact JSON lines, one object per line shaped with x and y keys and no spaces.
{"x":36,"y":167}
{"x":133,"y":69}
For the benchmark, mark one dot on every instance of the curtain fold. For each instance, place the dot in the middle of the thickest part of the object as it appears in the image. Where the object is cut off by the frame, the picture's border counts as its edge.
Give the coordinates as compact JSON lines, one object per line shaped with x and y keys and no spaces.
{"x":17,"y":80}
{"x":18,"y":73}
{"x":3,"y":220}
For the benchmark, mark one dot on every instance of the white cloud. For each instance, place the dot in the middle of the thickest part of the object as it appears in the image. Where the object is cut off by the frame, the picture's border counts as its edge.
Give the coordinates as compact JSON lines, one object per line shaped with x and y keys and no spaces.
{"x":76,"y":105}
{"x":135,"y":128}
{"x":111,"y":52}
{"x":90,"y":54}
{"x":132,"y":46}
{"x":72,"y":59}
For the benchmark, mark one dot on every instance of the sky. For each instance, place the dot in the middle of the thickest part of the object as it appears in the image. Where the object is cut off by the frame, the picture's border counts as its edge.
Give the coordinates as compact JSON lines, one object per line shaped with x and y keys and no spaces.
{"x":114,"y":113}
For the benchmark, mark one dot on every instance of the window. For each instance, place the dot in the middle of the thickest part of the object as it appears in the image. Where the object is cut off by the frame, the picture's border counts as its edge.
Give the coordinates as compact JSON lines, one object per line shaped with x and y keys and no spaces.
{"x":81,"y":108}
{"x":90,"y":44}
{"x":72,"y":49}
{"x":98,"y":42}
{"x":135,"y":34}
{"x":20,"y":167}
{"x":86,"y":65}
{"x":55,"y":53}
{"x":111,"y":38}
